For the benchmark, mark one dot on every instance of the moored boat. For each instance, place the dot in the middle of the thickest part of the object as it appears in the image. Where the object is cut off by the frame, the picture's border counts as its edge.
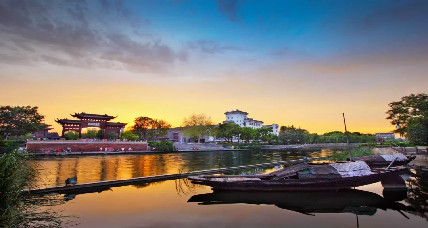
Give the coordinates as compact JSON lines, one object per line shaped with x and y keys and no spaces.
{"x":385,"y":160}
{"x":302,"y":177}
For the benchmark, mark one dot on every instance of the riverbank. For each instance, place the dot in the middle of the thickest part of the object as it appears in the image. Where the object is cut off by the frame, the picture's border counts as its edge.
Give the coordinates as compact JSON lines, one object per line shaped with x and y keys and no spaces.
{"x":180,"y":147}
{"x":82,"y":147}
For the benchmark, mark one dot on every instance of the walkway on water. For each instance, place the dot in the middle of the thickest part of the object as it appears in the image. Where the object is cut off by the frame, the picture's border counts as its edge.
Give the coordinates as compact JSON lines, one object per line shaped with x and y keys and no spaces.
{"x":104,"y":185}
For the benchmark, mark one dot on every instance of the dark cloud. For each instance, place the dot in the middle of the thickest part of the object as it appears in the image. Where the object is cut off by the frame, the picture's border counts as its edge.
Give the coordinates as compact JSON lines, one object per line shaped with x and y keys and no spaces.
{"x":230,"y":8}
{"x":212,"y":47}
{"x":397,"y":12}
{"x":79,"y":33}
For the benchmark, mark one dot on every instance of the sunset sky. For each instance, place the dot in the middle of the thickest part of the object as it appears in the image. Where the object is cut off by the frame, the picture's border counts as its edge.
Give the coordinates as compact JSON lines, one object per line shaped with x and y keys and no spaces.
{"x":298,"y":63}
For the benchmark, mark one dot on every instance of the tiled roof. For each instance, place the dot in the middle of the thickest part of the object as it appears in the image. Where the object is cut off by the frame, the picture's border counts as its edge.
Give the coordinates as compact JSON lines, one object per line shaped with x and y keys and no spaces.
{"x":237,"y":111}
{"x":84,"y":115}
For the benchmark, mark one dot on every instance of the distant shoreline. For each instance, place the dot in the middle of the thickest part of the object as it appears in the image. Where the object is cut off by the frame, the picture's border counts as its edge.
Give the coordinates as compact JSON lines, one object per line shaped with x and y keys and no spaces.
{"x":266,"y":148}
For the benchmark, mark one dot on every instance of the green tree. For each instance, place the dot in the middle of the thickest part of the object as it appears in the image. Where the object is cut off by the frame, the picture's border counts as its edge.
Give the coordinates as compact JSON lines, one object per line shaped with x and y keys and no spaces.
{"x":417,"y":132}
{"x":90,"y":134}
{"x":19,"y":120}
{"x":248,"y":133}
{"x":100,"y":134}
{"x":197,"y":126}
{"x":262,"y":133}
{"x":228,"y":131}
{"x":148,"y":128}
{"x":292,"y":135}
{"x":162,"y":146}
{"x":159,"y":129}
{"x":111,"y":136}
{"x":129,"y":135}
{"x":71,"y":135}
{"x":142,"y":125}
{"x":410,"y":115}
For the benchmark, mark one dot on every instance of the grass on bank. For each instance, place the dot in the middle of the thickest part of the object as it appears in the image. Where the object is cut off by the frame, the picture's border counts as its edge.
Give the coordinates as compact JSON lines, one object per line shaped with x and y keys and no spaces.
{"x":355,"y":152}
{"x":17,"y":207}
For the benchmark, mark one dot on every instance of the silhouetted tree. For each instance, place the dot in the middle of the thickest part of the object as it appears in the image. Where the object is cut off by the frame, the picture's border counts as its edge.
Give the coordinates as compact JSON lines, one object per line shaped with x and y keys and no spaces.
{"x":19,"y":120}
{"x":197,"y":126}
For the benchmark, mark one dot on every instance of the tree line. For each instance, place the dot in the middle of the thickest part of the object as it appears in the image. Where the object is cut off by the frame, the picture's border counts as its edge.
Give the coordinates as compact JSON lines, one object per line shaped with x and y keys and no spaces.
{"x":293,"y":135}
{"x":409,"y":115}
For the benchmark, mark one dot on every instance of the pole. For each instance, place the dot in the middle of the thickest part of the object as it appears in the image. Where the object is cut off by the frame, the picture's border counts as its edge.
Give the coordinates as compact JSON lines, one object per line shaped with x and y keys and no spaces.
{"x":347,"y":138}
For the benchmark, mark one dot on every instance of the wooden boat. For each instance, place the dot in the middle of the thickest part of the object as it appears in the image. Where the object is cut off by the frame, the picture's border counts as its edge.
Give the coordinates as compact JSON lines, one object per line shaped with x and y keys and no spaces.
{"x":344,"y":201}
{"x":302,"y":177}
{"x":385,"y":160}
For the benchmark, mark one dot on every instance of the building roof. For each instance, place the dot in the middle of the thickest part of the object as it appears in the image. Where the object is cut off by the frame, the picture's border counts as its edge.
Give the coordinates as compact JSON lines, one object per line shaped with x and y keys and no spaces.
{"x":236,"y":112}
{"x":110,"y":124}
{"x":228,"y":121}
{"x":252,"y":120}
{"x":271,"y":125}
{"x":67,"y":121}
{"x":84,"y":115}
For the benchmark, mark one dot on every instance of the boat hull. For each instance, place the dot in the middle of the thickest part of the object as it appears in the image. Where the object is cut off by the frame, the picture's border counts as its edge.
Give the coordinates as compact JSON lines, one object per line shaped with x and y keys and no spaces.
{"x":317,"y":184}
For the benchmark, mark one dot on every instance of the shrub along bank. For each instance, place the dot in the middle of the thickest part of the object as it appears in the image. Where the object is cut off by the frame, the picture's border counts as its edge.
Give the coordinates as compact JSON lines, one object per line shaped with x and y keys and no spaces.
{"x":355,"y":152}
{"x":17,"y":207}
{"x":162,"y":146}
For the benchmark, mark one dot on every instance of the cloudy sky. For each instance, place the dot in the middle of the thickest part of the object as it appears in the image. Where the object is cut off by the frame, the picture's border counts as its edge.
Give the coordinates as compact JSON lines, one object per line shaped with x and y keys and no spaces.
{"x":298,"y":63}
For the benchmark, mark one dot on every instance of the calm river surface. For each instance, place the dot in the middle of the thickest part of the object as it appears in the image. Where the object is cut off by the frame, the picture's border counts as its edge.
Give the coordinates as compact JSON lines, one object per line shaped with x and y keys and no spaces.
{"x":178,"y":203}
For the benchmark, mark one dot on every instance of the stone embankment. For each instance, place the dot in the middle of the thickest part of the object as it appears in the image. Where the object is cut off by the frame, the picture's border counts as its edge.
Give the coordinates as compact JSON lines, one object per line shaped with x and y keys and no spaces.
{"x":53,"y":147}
{"x":199,"y":146}
{"x":310,"y":146}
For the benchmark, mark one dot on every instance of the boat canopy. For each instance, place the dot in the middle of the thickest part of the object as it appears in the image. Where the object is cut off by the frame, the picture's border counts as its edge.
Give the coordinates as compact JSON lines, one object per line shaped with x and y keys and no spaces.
{"x":352,"y":169}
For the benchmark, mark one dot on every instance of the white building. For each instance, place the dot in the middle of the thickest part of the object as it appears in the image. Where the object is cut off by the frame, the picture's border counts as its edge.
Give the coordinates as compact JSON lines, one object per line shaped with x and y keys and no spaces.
{"x":241,"y":118}
{"x":385,"y":135}
{"x":274,"y":127}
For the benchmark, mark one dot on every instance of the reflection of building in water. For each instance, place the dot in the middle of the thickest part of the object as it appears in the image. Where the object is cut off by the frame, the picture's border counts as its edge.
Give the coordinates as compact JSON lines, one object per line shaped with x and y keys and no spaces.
{"x":109,"y":168}
{"x":88,"y":121}
{"x":101,"y":168}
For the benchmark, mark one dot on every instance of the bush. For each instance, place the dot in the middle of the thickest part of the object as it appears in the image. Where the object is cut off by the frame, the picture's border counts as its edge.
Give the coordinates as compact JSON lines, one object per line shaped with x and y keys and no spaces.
{"x":17,"y":207}
{"x":9,"y":145}
{"x":129,"y":135}
{"x":162,"y":146}
{"x":100,"y":134}
{"x":355,"y":152}
{"x":249,"y":146}
{"x":91,"y":134}
{"x":111,"y":136}
{"x":403,"y":144}
{"x":71,"y":135}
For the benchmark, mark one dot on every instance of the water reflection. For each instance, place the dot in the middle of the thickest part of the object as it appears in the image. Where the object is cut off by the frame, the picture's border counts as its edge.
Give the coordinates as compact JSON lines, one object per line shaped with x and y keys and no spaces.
{"x":171,"y":204}
{"x":55,"y":170}
{"x":418,"y":195}
{"x":310,"y":203}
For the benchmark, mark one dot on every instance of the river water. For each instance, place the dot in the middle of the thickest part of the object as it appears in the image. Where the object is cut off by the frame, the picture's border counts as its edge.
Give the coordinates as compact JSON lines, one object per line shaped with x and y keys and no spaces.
{"x":178,"y":203}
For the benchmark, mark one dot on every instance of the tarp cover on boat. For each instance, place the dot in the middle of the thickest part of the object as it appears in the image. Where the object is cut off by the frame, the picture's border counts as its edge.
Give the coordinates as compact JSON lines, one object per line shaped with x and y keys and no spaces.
{"x":352,"y":169}
{"x":400,"y":157}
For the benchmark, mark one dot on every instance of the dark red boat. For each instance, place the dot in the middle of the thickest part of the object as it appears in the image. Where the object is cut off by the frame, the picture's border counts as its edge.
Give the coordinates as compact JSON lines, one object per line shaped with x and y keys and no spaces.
{"x":385,"y":160}
{"x":303,"y":177}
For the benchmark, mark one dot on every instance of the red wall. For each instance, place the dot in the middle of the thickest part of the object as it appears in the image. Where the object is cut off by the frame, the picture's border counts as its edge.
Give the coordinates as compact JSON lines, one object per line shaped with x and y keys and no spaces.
{"x":50,"y":146}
